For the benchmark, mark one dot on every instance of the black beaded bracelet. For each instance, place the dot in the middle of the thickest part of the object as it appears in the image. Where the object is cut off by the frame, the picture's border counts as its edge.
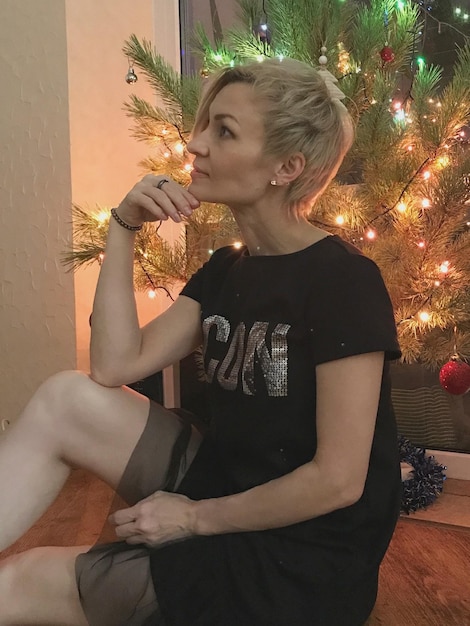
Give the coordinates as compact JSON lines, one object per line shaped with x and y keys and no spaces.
{"x":124,"y":224}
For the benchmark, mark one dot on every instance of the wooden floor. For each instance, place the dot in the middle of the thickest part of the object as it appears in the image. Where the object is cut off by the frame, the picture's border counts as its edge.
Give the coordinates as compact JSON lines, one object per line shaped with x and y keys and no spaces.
{"x":425,"y":578}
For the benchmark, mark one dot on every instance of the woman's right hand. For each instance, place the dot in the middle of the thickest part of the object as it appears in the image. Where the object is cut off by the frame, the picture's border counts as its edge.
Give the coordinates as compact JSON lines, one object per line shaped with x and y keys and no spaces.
{"x":145,"y":202}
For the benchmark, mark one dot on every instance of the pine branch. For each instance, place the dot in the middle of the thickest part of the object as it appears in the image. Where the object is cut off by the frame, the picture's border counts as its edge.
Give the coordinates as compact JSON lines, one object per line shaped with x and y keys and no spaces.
{"x":212,"y":57}
{"x":149,"y":120}
{"x":180,"y":94}
{"x":161,"y":76}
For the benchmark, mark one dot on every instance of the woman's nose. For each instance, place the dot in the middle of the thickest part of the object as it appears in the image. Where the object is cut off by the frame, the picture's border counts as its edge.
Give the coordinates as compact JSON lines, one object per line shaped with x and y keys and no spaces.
{"x":197,"y":145}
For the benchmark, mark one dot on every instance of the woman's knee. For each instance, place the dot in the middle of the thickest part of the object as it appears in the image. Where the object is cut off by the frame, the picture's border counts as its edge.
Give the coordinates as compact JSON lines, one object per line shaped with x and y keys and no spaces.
{"x":15,"y":570}
{"x":64,"y":387}
{"x":66,"y":405}
{"x":85,"y":424}
{"x":17,"y":574}
{"x":39,"y":578}
{"x":63,"y":397}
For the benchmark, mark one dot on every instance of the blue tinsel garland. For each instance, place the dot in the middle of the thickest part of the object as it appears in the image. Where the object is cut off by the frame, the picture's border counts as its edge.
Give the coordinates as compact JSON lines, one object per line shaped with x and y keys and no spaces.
{"x":427,"y":480}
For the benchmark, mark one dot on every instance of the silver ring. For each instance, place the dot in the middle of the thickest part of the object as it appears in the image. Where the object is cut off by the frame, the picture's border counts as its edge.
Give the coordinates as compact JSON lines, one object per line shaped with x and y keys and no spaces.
{"x":162,"y":182}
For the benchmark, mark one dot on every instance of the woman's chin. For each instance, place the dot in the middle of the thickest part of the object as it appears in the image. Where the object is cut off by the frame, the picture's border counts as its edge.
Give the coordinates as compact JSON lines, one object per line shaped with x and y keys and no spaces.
{"x":203,"y":195}
{"x":195,"y":189}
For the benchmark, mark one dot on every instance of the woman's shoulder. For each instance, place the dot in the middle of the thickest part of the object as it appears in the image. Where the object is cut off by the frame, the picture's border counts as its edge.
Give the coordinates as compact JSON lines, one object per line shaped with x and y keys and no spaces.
{"x":233,"y":251}
{"x":340,"y":255}
{"x":222,"y":258}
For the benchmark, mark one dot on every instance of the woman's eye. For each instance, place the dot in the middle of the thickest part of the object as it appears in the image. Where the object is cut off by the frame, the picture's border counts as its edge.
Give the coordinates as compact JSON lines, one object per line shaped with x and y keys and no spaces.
{"x":224,"y":131}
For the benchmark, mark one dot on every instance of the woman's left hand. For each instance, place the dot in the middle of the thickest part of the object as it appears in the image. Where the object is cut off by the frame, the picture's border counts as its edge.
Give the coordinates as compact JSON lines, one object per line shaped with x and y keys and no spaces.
{"x":159,"y":519}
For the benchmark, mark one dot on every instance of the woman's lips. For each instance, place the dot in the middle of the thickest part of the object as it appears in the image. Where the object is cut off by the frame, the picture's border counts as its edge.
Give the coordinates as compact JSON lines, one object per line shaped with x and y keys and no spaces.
{"x":195,"y":173}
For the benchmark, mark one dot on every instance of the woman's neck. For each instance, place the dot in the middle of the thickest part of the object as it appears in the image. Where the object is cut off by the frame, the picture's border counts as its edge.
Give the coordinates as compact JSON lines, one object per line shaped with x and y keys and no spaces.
{"x":277,"y":234}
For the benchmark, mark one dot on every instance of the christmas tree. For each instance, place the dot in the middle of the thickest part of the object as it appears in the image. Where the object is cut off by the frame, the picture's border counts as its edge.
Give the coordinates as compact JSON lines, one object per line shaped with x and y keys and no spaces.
{"x":403,"y":192}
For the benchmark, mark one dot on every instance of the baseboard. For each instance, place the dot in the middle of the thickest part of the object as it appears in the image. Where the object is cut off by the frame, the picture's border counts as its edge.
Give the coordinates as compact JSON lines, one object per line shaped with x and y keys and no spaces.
{"x":457,"y":463}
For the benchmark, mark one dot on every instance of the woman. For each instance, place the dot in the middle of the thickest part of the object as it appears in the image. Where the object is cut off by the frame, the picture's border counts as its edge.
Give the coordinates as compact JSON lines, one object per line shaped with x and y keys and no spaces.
{"x":281,"y":513}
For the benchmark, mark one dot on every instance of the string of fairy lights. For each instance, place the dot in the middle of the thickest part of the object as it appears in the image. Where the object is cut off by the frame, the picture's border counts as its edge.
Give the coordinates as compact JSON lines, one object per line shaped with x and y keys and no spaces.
{"x":172,"y":147}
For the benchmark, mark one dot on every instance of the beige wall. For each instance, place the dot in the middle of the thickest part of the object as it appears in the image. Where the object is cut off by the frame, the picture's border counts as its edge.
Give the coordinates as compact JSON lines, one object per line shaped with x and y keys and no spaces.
{"x":37,"y":336}
{"x":64,"y":138}
{"x":104,"y":155}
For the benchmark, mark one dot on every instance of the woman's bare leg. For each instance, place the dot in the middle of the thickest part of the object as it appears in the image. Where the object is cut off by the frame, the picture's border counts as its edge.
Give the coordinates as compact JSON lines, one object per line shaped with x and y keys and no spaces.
{"x":70,"y":421}
{"x":39,"y":588}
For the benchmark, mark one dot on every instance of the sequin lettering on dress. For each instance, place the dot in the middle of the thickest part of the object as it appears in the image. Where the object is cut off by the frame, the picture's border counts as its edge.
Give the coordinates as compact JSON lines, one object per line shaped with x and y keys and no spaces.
{"x":229,"y":371}
{"x":223,"y":332}
{"x":274,"y":366}
{"x":268,"y":350}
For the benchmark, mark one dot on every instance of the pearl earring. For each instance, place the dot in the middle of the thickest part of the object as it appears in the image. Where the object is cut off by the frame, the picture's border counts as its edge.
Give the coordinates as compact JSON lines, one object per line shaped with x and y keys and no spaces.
{"x":274,"y":182}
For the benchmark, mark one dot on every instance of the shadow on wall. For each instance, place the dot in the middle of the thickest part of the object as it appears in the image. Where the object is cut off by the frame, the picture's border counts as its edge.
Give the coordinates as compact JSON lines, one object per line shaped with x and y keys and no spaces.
{"x":426,"y":414}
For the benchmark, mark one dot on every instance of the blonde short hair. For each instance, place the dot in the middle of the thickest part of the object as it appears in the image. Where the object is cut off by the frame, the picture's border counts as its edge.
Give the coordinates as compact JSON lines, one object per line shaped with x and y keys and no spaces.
{"x":300,"y":116}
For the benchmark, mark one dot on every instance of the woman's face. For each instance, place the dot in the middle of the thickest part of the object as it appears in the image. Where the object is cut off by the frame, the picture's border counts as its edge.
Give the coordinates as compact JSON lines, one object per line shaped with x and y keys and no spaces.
{"x":230,"y":164}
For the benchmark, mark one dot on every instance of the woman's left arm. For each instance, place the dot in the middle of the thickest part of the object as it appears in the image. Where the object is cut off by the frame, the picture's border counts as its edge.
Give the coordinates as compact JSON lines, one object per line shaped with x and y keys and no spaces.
{"x":348,"y":393}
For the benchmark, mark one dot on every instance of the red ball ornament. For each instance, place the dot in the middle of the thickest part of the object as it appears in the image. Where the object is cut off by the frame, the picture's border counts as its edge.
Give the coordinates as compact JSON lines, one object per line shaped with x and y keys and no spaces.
{"x":455,"y":376}
{"x":387,"y":54}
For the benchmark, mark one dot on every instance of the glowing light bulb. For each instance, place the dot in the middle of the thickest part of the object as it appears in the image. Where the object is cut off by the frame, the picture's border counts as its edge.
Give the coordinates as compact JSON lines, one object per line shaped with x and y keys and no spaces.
{"x":166,"y":155}
{"x":179,"y":148}
{"x":264,"y":27}
{"x":260,"y":58}
{"x":444,"y":267}
{"x":410,"y":148}
{"x":426,"y":175}
{"x":437,"y":283}
{"x":421,"y":244}
{"x":218,"y":57}
{"x":424,"y":316}
{"x":340,"y":220}
{"x":151,"y":294}
{"x":425,"y":203}
{"x":397,"y":106}
{"x":102,"y":217}
{"x":237,"y":245}
{"x":443,"y":161}
{"x":188,"y":167}
{"x":462,"y":133}
{"x":164,"y":131}
{"x":280,"y":57}
{"x":371,"y":234}
{"x":400,"y":115}
{"x":401,"y":207}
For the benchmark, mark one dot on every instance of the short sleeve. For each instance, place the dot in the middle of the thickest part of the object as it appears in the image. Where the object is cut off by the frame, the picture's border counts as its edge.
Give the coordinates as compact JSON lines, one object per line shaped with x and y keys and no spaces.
{"x":352,"y":313}
{"x":210,"y":277}
{"x":193,"y":288}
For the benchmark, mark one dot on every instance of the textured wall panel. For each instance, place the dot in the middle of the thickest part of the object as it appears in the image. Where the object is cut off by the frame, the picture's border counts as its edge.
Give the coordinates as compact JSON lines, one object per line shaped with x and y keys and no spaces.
{"x":36,"y":296}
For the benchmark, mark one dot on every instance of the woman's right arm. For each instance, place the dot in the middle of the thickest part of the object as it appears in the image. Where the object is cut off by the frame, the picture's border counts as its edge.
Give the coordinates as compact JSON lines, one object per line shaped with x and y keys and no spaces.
{"x":122,"y":352}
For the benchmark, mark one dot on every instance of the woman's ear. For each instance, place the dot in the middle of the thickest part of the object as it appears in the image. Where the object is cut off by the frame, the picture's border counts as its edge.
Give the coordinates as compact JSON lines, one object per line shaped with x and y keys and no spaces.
{"x":290,"y":169}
